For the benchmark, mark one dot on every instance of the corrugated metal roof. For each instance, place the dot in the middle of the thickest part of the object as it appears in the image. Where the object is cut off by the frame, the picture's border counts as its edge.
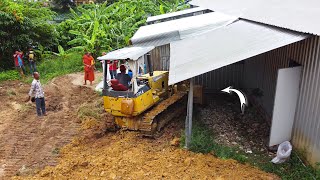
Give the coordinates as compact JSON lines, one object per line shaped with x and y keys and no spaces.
{"x":298,"y":15}
{"x":166,"y":32}
{"x":175,"y":14}
{"x":132,"y":53}
{"x":238,"y":41}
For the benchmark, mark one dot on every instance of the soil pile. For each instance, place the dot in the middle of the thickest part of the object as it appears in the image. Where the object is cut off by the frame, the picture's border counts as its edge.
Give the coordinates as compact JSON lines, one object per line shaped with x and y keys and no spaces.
{"x":126,"y":155}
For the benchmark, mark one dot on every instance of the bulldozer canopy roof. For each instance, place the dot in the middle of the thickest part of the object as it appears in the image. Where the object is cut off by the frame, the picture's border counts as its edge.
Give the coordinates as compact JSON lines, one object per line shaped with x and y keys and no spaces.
{"x":132,"y":53}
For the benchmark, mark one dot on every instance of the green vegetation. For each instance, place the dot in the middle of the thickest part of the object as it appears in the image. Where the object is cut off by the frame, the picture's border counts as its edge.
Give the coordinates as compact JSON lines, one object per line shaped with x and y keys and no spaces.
{"x":292,"y":169}
{"x":22,"y":24}
{"x":9,"y":75}
{"x":49,"y":68}
{"x":91,"y":110}
{"x":203,"y":141}
{"x":171,"y":6}
{"x":55,"y":150}
{"x":57,"y":66}
{"x":104,"y":26}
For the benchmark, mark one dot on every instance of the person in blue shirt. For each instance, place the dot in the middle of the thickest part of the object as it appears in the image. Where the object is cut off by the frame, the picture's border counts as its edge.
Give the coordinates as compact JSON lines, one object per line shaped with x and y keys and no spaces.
{"x":130,"y":73}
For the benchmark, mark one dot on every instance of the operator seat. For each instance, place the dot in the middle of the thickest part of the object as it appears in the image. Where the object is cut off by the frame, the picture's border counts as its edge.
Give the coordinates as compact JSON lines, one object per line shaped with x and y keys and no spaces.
{"x":117,"y":86}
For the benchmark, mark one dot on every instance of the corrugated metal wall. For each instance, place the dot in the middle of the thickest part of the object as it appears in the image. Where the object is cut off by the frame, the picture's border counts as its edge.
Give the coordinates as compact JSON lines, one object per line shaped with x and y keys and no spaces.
{"x":306,"y":133}
{"x":261,"y":72}
{"x":231,"y":75}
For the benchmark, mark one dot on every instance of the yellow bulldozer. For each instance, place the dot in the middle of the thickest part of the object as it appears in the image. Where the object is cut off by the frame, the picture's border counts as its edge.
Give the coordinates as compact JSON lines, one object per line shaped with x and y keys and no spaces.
{"x":149,"y":103}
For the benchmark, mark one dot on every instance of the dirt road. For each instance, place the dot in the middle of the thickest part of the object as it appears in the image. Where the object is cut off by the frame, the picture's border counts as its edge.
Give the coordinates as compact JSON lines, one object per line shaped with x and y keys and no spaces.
{"x":75,"y":113}
{"x":28,"y":142}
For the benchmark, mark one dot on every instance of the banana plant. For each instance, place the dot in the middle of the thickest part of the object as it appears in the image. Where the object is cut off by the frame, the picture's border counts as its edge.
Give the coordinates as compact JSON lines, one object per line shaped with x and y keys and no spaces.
{"x":106,"y":27}
{"x":172,"y":6}
{"x":61,"y":51}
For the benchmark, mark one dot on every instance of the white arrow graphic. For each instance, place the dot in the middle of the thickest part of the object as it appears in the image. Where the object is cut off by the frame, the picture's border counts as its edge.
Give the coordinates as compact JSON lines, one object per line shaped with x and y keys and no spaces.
{"x":243,"y":99}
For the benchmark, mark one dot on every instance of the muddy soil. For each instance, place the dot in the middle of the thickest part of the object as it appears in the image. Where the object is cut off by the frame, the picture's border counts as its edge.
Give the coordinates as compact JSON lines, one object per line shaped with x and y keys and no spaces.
{"x":72,"y":143}
{"x":127,"y":155}
{"x":28,"y":142}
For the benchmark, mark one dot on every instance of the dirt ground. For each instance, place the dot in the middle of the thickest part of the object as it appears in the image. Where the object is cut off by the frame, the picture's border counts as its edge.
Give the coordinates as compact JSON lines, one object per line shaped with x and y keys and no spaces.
{"x":249,"y":132}
{"x":222,"y":115}
{"x":71,"y":142}
{"x":28,"y":142}
{"x":126,"y":155}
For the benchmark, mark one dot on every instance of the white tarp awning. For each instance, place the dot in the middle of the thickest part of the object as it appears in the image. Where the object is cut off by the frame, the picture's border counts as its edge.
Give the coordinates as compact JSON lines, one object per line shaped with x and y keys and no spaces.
{"x":229,"y":44}
{"x":133,"y":53}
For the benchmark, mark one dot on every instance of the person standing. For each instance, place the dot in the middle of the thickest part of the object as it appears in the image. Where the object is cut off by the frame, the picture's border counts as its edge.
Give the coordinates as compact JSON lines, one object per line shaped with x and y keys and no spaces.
{"x":113,"y":69}
{"x":88,"y":63}
{"x":32,"y":62}
{"x":36,"y":91}
{"x":18,"y":62}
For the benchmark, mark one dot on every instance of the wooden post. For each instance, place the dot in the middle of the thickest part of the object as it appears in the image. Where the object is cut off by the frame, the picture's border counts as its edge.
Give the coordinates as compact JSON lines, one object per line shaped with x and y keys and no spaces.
{"x":188,"y":130}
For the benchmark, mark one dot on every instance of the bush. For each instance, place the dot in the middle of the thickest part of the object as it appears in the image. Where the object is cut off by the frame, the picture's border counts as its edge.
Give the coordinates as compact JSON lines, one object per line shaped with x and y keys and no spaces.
{"x":24,"y":24}
{"x":9,"y":75}
{"x":49,"y":68}
{"x":57,"y":66}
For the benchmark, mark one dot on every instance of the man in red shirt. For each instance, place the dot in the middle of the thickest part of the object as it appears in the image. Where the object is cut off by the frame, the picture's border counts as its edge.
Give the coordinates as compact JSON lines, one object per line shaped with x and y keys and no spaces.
{"x":113,"y":69}
{"x":18,"y":62}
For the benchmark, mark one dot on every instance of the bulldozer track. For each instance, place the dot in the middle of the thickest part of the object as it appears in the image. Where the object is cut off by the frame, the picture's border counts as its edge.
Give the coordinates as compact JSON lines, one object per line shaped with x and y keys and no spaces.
{"x":161,"y":114}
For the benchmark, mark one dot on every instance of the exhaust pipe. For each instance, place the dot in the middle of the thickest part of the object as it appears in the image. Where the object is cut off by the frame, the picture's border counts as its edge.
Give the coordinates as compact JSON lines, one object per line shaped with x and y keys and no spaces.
{"x":149,"y":64}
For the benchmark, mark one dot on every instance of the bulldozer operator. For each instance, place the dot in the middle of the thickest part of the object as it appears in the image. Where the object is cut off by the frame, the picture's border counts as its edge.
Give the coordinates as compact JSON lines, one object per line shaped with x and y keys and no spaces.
{"x":121,"y":83}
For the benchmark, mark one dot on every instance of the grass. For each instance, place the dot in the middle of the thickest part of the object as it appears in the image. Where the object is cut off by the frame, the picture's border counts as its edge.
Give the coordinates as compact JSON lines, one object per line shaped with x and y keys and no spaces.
{"x":91,"y":110}
{"x":49,"y":68}
{"x":202,"y":140}
{"x":57,"y":66}
{"x":292,"y":169}
{"x":11,"y":92}
{"x":9,"y":75}
{"x":56,"y":150}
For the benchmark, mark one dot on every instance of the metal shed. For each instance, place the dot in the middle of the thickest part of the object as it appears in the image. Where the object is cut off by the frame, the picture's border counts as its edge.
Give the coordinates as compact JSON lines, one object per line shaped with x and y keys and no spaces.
{"x":261,"y":71}
{"x":204,"y":43}
{"x":161,"y":34}
{"x":177,"y":15}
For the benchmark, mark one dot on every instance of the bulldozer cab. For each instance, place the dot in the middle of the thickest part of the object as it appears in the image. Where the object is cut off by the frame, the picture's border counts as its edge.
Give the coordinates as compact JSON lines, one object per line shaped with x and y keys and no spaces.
{"x":146,"y":103}
{"x":145,"y":87}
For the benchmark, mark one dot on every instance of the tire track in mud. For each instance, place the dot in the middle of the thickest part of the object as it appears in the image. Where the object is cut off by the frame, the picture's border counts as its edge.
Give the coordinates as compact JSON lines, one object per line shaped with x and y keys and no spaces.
{"x":29,"y":143}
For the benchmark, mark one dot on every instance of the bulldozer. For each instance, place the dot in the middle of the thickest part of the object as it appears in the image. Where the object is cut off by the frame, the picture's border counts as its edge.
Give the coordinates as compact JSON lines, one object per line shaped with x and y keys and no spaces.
{"x":149,"y":103}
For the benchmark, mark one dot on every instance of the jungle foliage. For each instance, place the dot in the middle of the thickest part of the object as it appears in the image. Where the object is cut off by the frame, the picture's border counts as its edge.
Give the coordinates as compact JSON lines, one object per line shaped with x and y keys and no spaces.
{"x":96,"y":27}
{"x":24,"y":23}
{"x":104,"y":27}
